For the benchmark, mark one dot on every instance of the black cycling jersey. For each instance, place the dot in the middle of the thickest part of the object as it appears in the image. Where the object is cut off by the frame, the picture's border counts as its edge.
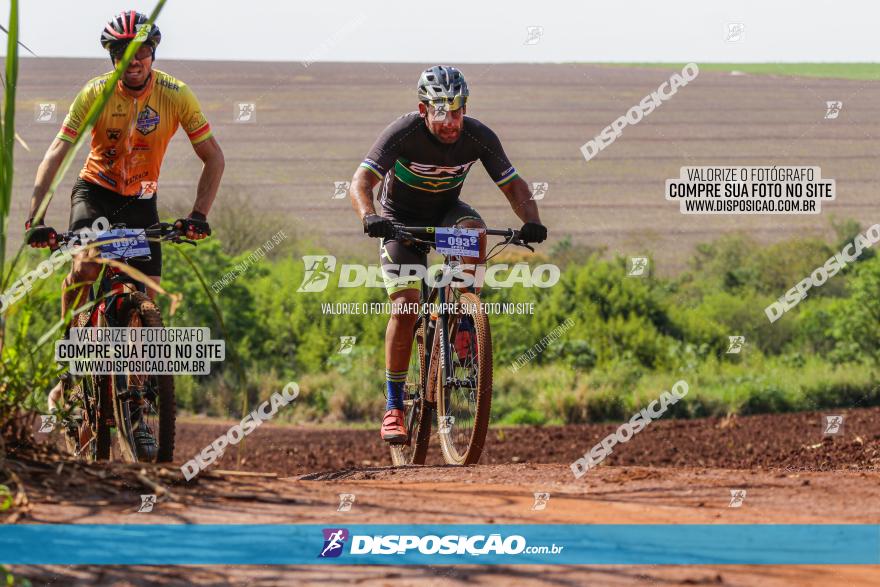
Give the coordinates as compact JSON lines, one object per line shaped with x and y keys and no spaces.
{"x":422,"y":177}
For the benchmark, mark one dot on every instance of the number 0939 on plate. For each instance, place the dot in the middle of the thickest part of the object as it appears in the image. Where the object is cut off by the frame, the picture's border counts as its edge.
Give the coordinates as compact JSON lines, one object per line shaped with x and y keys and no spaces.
{"x":463,"y":242}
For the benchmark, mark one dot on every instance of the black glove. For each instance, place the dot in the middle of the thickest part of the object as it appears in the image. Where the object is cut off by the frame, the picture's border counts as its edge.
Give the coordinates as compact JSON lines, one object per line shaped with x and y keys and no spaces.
{"x":532,"y":232}
{"x":378,"y":226}
{"x":40,"y":236}
{"x":196,"y":224}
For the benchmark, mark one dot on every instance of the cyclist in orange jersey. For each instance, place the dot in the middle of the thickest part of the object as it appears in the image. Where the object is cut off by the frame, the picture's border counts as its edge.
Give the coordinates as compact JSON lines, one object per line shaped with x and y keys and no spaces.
{"x":120,"y":178}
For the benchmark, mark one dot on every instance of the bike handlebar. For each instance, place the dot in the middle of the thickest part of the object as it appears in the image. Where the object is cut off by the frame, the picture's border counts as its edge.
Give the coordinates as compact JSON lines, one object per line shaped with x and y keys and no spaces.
{"x":511,"y":235}
{"x":163,"y":231}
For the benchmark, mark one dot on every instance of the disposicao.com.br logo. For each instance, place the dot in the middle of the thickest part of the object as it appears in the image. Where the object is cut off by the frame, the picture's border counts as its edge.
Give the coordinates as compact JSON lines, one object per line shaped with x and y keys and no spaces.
{"x":450,"y":544}
{"x":320,"y":268}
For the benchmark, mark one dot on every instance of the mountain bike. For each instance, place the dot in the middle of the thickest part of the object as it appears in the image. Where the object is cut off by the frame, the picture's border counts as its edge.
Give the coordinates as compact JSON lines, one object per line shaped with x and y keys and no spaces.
{"x":132,"y":404}
{"x":450,"y":369}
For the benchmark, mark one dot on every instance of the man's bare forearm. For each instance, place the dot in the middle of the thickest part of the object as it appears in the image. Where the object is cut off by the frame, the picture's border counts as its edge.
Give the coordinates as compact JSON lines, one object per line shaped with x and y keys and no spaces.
{"x":46,"y":173}
{"x":361,"y":192}
{"x":212,"y":172}
{"x":520,"y":198}
{"x":209,"y":184}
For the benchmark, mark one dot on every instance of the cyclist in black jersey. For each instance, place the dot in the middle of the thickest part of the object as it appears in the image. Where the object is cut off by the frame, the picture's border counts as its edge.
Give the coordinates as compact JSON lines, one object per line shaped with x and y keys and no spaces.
{"x":422,"y":160}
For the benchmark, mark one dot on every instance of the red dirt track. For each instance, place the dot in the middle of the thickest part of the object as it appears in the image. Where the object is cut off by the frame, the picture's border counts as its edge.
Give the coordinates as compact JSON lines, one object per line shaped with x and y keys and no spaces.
{"x":792,"y":441}
{"x":673,"y":472}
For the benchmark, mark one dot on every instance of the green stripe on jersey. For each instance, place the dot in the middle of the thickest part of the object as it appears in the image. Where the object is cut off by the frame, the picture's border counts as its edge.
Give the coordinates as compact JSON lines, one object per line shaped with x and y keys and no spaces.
{"x":427,"y":183}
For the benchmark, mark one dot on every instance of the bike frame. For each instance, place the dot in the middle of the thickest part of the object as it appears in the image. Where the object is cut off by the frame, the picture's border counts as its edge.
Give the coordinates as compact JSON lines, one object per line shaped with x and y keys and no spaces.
{"x":440,"y":326}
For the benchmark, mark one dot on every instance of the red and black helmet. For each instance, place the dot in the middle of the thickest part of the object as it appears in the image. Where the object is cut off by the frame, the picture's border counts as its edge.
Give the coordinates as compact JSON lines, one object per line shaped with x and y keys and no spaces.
{"x":123,"y":28}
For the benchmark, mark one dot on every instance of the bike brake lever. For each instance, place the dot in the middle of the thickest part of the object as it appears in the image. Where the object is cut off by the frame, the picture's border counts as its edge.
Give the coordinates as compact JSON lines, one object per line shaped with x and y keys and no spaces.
{"x":521,"y":243}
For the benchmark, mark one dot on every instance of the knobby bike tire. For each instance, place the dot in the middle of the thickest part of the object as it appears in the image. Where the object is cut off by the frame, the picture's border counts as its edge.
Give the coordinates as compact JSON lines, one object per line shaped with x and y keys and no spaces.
{"x":139,"y":310}
{"x":96,"y":411}
{"x":477,"y":438}
{"x":415,"y":451}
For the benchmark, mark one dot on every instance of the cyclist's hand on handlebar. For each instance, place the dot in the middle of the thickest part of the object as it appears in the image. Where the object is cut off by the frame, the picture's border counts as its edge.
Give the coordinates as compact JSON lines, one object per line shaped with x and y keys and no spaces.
{"x":377,"y":226}
{"x":532,"y":232}
{"x":40,"y":236}
{"x":195,"y":227}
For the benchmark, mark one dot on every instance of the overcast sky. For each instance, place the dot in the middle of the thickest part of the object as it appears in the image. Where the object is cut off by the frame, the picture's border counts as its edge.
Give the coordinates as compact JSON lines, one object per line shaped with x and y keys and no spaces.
{"x":475,"y":31}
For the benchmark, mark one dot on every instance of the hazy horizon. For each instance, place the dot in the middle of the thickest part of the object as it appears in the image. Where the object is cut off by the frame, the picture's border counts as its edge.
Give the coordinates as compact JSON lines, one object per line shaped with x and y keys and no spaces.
{"x":345,"y":31}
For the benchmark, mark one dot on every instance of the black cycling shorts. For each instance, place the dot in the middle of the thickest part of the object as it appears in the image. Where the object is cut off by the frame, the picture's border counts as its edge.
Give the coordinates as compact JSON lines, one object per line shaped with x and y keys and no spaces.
{"x":394,"y":252}
{"x":89,"y":201}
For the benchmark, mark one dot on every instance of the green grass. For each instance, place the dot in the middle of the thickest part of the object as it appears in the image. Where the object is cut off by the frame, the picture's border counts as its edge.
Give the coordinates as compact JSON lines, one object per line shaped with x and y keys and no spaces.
{"x":862,"y":71}
{"x":555,"y":394}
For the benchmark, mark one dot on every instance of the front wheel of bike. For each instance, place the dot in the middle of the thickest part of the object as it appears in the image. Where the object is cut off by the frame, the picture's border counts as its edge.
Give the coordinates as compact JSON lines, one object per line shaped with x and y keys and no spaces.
{"x":90,"y":394}
{"x":417,"y":411}
{"x":144,"y":404}
{"x":464,"y":386}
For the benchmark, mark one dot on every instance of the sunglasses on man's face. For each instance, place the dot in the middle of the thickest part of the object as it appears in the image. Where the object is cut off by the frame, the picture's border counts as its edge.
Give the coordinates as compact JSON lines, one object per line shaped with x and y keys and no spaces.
{"x":447,"y":105}
{"x":143,"y":52}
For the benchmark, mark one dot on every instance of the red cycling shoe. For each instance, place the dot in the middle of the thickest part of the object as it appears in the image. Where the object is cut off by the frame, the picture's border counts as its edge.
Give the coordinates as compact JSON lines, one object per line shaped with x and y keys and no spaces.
{"x":393,"y":429}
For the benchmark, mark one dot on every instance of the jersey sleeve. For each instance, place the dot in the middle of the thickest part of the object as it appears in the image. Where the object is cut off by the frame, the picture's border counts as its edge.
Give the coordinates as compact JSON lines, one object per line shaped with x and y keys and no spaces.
{"x":76,"y":116}
{"x":191,"y":117}
{"x":384,"y":152}
{"x":493,"y":157}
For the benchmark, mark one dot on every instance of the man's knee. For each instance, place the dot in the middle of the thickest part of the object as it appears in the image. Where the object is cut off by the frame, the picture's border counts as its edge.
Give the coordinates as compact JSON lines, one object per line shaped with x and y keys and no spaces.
{"x":474,"y":223}
{"x":404,"y":305}
{"x":83,"y":271}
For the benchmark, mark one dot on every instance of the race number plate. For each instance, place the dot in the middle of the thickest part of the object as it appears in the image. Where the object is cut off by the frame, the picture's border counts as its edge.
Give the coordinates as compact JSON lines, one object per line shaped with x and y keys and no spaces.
{"x":123,"y":243}
{"x":463,"y":242}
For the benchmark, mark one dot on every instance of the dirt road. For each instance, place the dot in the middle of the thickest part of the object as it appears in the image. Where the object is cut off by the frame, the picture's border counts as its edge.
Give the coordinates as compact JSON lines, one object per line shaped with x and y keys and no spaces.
{"x":687,"y":470}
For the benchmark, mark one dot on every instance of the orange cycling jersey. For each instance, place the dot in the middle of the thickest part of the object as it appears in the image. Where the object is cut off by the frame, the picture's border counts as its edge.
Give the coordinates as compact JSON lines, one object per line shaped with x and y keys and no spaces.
{"x":131,"y":133}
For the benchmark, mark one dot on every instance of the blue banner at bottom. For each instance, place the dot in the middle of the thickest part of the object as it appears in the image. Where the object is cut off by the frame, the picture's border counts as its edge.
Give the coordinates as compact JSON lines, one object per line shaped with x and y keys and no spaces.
{"x":438,"y":544}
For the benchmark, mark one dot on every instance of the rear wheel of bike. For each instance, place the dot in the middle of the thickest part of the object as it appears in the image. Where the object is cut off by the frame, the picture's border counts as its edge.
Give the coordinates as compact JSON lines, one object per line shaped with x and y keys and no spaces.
{"x":465,"y":399}
{"x":417,"y":411}
{"x":143,"y":403}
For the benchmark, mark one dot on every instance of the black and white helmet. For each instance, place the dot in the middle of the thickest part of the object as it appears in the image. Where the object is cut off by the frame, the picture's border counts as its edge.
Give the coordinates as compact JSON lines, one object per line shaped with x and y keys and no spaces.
{"x":443,"y":83}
